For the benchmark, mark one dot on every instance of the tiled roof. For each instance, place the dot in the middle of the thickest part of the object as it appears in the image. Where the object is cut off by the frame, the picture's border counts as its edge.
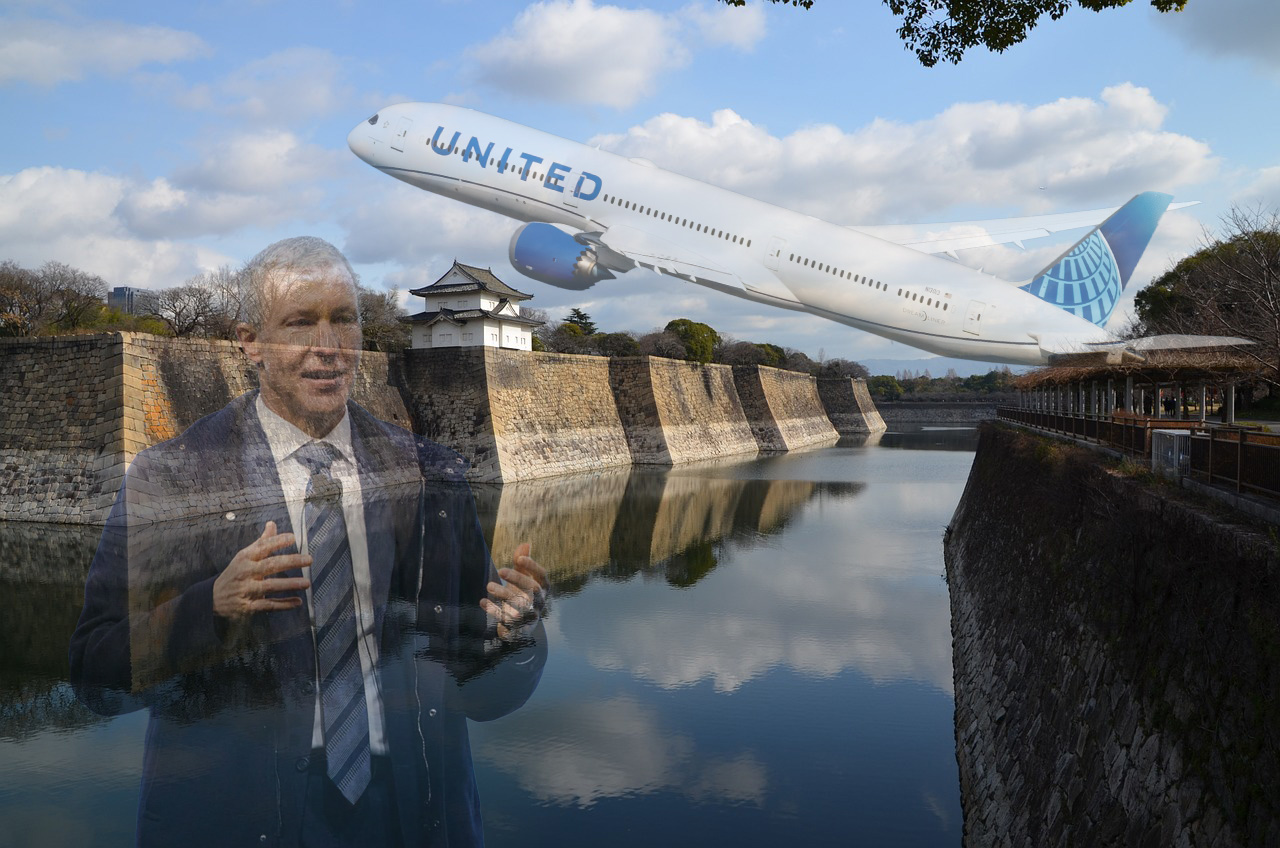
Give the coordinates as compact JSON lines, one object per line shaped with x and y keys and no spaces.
{"x":461,"y":316}
{"x":480,"y":278}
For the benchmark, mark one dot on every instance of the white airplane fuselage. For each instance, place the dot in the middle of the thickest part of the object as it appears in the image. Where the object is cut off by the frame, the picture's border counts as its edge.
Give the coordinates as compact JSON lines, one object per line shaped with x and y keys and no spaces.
{"x":713,"y":237}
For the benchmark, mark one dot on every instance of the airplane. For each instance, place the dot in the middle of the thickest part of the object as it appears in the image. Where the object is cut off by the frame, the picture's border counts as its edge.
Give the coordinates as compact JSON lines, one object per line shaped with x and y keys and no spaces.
{"x":591,"y":215}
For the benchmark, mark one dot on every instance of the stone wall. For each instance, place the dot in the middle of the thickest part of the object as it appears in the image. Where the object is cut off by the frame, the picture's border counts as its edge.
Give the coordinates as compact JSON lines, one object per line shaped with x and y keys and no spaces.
{"x":1116,"y":657}
{"x":75,"y":410}
{"x":849,"y":406}
{"x":924,"y":412}
{"x":783,"y":408}
{"x":675,"y":412}
{"x":61,"y":426}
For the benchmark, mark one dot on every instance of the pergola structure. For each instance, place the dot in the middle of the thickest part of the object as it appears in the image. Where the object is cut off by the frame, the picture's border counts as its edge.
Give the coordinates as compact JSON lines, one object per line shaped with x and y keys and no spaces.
{"x":1140,"y":389}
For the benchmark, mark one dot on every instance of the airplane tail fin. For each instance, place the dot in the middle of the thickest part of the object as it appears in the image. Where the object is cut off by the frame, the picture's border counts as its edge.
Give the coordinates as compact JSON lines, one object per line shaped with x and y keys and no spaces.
{"x":1087,"y":280}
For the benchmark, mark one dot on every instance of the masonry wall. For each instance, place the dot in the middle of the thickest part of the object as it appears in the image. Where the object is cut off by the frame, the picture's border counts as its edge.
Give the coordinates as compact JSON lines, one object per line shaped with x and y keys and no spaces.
{"x":1116,"y":657}
{"x":61,"y":417}
{"x":925,"y":412}
{"x":783,"y":408}
{"x":75,"y":410}
{"x":849,"y":406}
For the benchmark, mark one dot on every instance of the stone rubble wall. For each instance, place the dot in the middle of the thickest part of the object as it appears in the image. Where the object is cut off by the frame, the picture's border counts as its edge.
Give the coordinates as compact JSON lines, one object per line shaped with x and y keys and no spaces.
{"x":74,"y":411}
{"x":699,"y":411}
{"x":783,"y":407}
{"x":1115,"y":658}
{"x":849,"y":406}
{"x":924,"y":412}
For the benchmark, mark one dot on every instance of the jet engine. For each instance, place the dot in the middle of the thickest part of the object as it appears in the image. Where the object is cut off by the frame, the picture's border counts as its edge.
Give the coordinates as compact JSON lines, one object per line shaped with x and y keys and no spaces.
{"x":552,"y":256}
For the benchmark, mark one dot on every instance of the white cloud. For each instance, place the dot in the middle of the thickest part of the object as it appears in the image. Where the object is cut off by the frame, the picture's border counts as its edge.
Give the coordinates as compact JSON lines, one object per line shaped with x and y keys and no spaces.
{"x":287,"y":86}
{"x":126,"y":230}
{"x":579,"y":52}
{"x":50,"y":52}
{"x":1263,"y":191}
{"x":260,"y":162}
{"x":588,"y":751}
{"x":1243,"y":28}
{"x":1082,"y":151}
{"x":720,"y":24}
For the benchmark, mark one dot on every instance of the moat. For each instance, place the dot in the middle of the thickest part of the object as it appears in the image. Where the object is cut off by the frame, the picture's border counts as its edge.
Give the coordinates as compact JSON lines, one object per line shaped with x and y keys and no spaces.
{"x":758,"y":652}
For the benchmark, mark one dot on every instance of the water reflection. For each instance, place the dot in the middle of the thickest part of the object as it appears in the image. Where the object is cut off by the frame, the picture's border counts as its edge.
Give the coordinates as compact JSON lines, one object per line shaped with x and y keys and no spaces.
{"x":759,"y":651}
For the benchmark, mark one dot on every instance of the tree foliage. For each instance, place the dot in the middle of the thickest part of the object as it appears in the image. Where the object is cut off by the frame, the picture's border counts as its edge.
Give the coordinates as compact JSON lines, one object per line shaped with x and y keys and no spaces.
{"x":942,"y":30}
{"x":698,"y":339}
{"x":582,"y":321}
{"x":380,"y":324}
{"x":1230,"y":287}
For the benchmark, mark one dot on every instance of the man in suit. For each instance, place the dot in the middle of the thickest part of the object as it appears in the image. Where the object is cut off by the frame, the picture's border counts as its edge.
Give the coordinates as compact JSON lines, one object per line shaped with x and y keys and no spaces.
{"x":301,"y":595}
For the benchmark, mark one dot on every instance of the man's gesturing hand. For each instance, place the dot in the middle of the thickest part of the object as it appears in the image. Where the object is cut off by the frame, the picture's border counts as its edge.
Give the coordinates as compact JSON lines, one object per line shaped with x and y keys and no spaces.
{"x":522,"y":597}
{"x":242,"y":588}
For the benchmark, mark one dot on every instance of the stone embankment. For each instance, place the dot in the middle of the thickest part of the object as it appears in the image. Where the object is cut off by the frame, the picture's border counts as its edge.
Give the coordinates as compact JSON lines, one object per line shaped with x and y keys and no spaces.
{"x":74,"y":411}
{"x":1116,"y":657}
{"x":926,"y":413}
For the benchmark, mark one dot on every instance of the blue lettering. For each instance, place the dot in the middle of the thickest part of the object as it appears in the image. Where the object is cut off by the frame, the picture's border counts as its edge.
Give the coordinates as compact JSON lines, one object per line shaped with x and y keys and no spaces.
{"x":529,"y":161}
{"x":482,"y":155}
{"x":435,"y":142}
{"x":577,"y":191}
{"x":502,"y":163}
{"x":556,"y":173}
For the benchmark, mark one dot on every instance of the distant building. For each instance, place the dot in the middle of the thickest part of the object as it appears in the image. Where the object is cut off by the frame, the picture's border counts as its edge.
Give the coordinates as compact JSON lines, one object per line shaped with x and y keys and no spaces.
{"x":132,"y":301}
{"x":471,"y":307}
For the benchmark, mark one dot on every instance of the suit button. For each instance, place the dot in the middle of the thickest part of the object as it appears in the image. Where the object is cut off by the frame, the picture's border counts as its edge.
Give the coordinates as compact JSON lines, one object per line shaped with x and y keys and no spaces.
{"x":262,"y":838}
{"x":439,"y":609}
{"x":302,"y":764}
{"x":431,"y":713}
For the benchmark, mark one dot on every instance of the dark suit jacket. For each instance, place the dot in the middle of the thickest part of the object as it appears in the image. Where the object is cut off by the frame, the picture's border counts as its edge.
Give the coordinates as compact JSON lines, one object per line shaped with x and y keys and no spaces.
{"x":232,"y":707}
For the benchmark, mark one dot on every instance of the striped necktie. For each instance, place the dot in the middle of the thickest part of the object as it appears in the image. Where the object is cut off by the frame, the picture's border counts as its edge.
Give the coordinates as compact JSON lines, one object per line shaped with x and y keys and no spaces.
{"x":344,"y":712}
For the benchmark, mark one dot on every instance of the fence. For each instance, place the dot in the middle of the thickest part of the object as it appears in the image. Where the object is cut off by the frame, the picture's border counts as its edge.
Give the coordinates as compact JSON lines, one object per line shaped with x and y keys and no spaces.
{"x":1247,"y":459}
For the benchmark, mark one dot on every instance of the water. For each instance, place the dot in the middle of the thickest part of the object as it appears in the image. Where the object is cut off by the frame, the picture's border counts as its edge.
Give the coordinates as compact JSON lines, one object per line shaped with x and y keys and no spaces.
{"x":757,"y":653}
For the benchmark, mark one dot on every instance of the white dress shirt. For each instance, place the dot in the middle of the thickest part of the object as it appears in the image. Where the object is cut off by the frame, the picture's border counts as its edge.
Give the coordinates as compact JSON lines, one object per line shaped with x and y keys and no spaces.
{"x":285,"y":439}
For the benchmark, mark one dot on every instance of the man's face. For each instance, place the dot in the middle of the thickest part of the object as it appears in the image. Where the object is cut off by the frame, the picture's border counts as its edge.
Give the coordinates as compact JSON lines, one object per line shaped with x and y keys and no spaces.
{"x":308,"y":348}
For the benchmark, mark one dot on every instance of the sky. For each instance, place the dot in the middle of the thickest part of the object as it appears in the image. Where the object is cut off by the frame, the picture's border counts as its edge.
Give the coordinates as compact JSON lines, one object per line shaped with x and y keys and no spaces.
{"x":148,"y":142}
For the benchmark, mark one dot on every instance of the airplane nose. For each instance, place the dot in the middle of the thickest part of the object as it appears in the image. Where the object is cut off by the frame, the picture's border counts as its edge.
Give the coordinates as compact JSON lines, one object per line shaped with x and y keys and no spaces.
{"x":361,"y":141}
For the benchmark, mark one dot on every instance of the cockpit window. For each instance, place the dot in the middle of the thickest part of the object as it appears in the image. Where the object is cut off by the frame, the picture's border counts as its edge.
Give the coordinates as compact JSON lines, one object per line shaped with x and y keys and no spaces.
{"x":373,"y":122}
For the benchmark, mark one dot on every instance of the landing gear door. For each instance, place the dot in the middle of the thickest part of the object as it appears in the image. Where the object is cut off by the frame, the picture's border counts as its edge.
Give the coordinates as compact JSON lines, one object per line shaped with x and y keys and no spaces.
{"x":401,"y":132}
{"x":973,"y":318}
{"x":773,"y":253}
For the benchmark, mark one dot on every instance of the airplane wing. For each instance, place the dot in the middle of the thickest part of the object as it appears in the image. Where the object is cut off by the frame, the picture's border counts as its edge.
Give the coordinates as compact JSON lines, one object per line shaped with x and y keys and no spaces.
{"x":622,"y":247}
{"x":961,"y":235}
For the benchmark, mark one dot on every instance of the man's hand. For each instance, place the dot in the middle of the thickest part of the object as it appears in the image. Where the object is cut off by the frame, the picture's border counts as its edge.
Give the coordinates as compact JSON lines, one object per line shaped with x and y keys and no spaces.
{"x":242,"y":588}
{"x":522,"y":599}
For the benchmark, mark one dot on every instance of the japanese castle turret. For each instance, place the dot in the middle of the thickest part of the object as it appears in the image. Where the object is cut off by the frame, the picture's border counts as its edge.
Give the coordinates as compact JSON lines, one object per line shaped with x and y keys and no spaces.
{"x":471,"y":307}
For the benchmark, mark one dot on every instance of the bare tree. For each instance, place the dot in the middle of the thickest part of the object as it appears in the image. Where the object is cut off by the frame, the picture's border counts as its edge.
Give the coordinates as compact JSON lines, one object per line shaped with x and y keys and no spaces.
{"x":380,"y":314}
{"x":186,"y":310}
{"x":21,"y":304}
{"x":666,"y":344}
{"x":73,"y":296}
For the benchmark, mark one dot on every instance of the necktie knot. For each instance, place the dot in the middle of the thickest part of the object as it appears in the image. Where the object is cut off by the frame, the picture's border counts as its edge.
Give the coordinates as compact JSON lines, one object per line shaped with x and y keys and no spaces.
{"x":318,"y":457}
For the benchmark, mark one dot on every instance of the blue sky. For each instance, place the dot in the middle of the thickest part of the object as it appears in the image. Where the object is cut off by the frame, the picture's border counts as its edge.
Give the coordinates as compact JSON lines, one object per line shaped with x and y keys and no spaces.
{"x":146,"y":142}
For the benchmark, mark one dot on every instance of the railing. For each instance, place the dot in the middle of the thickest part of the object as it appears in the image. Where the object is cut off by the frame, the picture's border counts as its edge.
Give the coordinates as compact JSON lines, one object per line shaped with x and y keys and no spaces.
{"x":1131,"y":434}
{"x":1245,"y":458}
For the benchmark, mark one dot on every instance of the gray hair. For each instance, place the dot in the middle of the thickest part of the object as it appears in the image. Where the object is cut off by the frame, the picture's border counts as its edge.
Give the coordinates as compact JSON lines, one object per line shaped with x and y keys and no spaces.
{"x":299,"y":256}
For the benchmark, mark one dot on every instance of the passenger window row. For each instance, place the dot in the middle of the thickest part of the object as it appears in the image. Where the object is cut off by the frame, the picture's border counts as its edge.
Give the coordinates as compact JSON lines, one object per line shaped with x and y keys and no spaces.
{"x":860,"y":279}
{"x":677,"y":220}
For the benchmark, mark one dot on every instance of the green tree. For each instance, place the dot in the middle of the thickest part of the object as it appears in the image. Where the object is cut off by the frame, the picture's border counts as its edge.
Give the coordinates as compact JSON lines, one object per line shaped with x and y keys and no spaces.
{"x":884,"y":387}
{"x":944,"y":29}
{"x":699,"y":339}
{"x":582,"y":321}
{"x":1230,"y":287}
{"x":616,"y":344}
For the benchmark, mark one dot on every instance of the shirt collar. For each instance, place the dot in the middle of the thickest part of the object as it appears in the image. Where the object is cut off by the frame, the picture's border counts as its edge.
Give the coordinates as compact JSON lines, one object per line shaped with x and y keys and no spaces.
{"x":285,"y":438}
